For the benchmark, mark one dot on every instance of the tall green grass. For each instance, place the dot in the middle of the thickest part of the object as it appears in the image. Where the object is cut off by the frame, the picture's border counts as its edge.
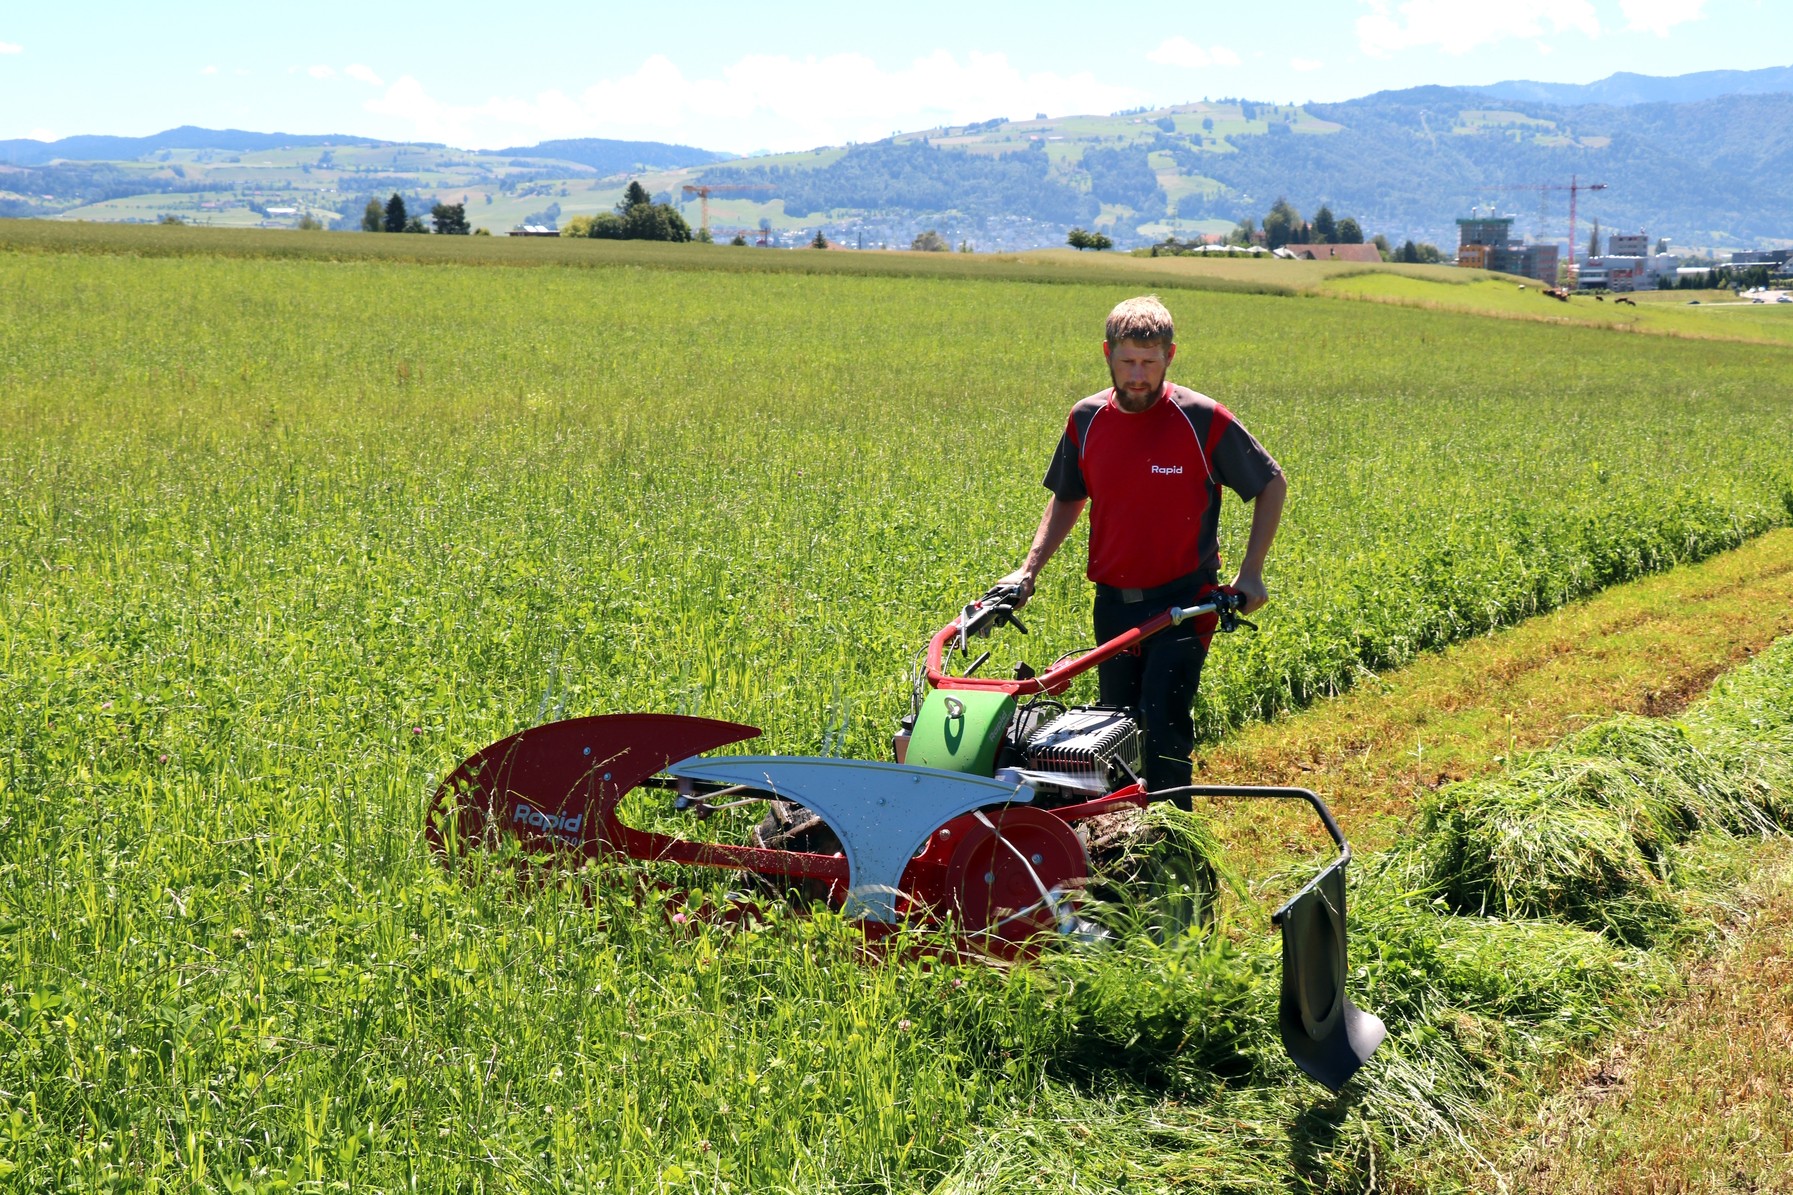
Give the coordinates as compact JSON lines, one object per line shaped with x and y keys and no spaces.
{"x":282,"y":540}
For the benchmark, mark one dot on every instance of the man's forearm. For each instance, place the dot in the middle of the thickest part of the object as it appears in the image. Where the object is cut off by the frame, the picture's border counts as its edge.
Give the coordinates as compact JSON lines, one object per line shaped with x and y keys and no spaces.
{"x":1266,"y":514}
{"x":1055,"y":524}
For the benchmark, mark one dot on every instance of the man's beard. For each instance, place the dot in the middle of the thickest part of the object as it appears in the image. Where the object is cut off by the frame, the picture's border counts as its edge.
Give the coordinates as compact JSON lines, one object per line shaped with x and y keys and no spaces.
{"x":1123,"y":398}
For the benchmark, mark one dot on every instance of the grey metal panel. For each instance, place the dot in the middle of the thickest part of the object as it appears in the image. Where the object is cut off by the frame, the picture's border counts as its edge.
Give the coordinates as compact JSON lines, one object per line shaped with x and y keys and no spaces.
{"x":882,"y":812}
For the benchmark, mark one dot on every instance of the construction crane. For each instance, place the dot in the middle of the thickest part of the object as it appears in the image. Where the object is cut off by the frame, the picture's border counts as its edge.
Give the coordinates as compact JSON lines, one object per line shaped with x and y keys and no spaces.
{"x":705,"y":190}
{"x":1575,"y":187}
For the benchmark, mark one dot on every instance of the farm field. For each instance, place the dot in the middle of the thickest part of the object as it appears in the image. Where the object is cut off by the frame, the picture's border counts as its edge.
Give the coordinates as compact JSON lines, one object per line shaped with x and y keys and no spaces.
{"x":286,"y":537}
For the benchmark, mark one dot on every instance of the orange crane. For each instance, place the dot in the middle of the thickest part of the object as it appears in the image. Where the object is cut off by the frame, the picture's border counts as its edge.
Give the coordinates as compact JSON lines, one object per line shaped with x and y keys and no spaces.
{"x":706,"y":190}
{"x":1575,"y":188}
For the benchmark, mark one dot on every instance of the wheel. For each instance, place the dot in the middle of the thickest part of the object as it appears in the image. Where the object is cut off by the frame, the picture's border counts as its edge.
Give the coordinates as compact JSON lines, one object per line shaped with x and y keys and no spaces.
{"x":791,"y":827}
{"x":1149,"y":873}
{"x":1005,"y":880}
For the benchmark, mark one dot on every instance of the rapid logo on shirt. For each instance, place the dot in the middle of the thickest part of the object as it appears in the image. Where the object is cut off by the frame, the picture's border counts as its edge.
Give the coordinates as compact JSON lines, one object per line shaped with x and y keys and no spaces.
{"x":1168,"y":470}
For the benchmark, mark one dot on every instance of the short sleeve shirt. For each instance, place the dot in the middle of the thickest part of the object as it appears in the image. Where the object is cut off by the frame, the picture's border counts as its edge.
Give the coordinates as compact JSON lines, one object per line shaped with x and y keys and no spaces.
{"x":1153,"y":481}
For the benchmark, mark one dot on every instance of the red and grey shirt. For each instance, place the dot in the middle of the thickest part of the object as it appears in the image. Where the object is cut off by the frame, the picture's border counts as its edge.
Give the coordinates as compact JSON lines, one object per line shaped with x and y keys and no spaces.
{"x":1153,"y":480}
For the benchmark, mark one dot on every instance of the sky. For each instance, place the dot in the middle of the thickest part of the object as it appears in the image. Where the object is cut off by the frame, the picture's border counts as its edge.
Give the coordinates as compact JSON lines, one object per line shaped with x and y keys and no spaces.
{"x":788,"y":74}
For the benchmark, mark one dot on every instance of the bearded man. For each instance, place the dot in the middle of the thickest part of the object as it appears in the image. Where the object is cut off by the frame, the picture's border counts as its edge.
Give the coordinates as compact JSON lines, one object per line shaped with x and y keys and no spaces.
{"x":1149,"y":459}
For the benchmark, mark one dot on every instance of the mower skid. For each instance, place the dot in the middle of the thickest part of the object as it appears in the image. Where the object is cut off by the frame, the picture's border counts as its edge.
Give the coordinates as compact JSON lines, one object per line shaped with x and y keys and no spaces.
{"x":1326,"y":1036}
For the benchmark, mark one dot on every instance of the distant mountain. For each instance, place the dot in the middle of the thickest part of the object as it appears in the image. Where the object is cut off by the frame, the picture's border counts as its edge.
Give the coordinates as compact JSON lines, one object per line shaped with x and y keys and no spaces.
{"x":25,"y":152}
{"x":1701,"y":169}
{"x":1627,"y":88}
{"x":1409,"y":162}
{"x":616,"y":157}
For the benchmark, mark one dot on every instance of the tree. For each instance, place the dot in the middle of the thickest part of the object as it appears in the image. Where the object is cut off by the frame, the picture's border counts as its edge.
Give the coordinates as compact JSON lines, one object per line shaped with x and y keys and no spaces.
{"x":1349,"y":231}
{"x":702,"y":236}
{"x":310,"y":223}
{"x":930,"y":242}
{"x":1594,"y":241}
{"x":819,"y":241}
{"x":634,"y":195}
{"x":373,"y":219}
{"x":1325,"y":229}
{"x":1244,"y":232}
{"x":1381,"y":243}
{"x":1081,"y":239}
{"x":170,"y":218}
{"x":394,"y":218}
{"x":1281,"y":224}
{"x":415,"y":224}
{"x":740,"y":239}
{"x":606,"y":226}
{"x":450,"y":219}
{"x":655,"y":222}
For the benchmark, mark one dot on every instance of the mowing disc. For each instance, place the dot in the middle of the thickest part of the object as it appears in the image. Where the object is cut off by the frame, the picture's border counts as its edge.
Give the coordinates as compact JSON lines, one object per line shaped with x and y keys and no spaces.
{"x":998,"y":874}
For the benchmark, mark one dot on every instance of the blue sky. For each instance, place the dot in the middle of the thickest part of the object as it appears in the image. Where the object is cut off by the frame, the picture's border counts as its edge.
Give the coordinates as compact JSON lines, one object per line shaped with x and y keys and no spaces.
{"x":791,"y":75}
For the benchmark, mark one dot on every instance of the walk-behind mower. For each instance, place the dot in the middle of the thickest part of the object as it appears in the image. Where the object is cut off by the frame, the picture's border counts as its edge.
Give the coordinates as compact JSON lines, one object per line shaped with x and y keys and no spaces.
{"x":1007,"y":819}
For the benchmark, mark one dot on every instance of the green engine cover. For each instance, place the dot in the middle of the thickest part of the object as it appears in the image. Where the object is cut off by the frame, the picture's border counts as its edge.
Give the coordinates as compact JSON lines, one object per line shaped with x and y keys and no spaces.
{"x":960,"y":731}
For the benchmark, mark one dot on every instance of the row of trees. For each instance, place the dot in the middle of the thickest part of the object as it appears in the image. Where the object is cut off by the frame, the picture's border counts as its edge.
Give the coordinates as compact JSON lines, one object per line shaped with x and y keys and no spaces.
{"x":447,"y":219}
{"x":636,"y":218}
{"x":1284,"y":226}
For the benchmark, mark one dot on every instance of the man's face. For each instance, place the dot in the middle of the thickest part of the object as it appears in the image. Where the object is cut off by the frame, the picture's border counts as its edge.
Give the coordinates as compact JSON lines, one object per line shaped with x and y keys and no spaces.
{"x":1138,"y":371}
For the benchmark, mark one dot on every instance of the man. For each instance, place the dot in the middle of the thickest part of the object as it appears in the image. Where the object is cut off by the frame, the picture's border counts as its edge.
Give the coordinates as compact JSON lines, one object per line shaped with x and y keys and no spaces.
{"x":1149,"y":459}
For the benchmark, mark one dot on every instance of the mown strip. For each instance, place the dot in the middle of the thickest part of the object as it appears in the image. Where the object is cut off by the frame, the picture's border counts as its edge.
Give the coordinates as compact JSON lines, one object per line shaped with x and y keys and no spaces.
{"x":1695,"y":1095}
{"x":1644,"y":648}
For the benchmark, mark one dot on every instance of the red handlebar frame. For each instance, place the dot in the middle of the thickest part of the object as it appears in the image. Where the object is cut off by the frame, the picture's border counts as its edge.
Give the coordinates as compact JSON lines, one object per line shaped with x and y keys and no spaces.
{"x":1057,"y":679}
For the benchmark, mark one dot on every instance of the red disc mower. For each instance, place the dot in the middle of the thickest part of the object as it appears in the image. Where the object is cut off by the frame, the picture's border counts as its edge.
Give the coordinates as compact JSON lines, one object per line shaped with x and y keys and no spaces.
{"x":985,"y":823}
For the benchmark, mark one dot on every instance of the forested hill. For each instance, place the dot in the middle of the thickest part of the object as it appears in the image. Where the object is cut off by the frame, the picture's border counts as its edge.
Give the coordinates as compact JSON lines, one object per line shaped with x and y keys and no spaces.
{"x":1629,"y":88}
{"x":1716,"y":171}
{"x":609,"y":157}
{"x":1413,"y":160}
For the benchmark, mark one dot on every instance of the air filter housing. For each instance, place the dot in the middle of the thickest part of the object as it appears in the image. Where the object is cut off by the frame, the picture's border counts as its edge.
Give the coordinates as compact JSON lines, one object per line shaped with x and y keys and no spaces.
{"x":1088,"y":744}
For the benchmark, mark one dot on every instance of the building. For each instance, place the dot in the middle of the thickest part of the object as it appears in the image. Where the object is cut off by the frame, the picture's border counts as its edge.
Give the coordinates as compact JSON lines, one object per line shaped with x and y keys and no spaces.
{"x":1366,"y":253}
{"x":1627,"y":264}
{"x":1486,"y":243}
{"x":1485,"y":230}
{"x":1540,"y":262}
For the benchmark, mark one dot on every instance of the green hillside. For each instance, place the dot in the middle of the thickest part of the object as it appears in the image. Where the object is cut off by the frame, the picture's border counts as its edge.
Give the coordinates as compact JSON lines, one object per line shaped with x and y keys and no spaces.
{"x":1712,"y":173}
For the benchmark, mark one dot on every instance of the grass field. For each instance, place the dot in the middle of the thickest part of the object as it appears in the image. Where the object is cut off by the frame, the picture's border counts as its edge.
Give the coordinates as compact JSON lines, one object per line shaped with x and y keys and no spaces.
{"x":286,"y":536}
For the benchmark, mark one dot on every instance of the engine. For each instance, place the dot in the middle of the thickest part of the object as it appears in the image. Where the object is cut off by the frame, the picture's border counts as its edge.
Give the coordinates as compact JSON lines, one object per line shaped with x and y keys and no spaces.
{"x":1079,"y":755}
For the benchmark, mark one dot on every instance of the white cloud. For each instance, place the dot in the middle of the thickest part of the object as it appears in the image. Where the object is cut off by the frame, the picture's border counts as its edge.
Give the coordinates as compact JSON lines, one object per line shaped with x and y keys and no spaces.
{"x":1659,"y":16}
{"x":208,"y":70}
{"x":1390,"y":26}
{"x":320,"y":72}
{"x":44,"y":135}
{"x":9,"y":47}
{"x":759,"y":100}
{"x":1305,"y":64}
{"x":1180,"y":51}
{"x":365,"y":74}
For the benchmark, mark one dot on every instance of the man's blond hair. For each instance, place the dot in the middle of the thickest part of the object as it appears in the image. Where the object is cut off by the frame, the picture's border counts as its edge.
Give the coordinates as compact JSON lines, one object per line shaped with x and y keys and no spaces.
{"x":1143,"y":319}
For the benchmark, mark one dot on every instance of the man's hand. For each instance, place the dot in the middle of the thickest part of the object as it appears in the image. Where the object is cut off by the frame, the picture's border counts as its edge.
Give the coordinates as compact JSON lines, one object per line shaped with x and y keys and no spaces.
{"x":1023,"y":580}
{"x":1251,"y":584}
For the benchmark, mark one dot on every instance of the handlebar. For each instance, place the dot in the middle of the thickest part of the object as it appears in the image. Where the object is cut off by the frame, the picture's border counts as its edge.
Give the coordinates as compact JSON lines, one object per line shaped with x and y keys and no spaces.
{"x":997,"y":608}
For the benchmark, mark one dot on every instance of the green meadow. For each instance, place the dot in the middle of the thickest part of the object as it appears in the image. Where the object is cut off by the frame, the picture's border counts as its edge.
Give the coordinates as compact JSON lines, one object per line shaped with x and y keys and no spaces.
{"x":290,"y":524}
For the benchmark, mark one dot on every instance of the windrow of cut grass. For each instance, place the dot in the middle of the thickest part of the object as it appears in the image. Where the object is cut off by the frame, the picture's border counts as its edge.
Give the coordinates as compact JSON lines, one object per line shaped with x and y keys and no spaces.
{"x":1478,"y":996}
{"x":282,"y":540}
